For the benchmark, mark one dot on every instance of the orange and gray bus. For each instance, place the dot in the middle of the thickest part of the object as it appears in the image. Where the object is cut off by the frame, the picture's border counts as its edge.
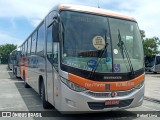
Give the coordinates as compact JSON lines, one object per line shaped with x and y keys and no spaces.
{"x":82,"y":58}
{"x":14,"y":61}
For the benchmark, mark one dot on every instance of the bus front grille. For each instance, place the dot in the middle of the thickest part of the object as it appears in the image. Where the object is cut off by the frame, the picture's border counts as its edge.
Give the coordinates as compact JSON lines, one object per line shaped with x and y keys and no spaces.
{"x":108,"y":94}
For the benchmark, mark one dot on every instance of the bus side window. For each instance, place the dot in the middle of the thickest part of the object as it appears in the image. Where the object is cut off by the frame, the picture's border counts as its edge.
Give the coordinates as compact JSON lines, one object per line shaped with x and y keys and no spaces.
{"x":34,"y":43}
{"x":157,"y":60}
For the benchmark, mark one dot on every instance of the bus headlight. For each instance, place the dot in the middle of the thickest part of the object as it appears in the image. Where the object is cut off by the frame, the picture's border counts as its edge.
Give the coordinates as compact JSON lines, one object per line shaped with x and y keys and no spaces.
{"x":140,"y":85}
{"x":72,"y":85}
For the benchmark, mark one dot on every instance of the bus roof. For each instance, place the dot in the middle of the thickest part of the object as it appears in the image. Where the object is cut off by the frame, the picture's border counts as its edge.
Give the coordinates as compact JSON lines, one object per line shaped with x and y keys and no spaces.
{"x":93,"y":10}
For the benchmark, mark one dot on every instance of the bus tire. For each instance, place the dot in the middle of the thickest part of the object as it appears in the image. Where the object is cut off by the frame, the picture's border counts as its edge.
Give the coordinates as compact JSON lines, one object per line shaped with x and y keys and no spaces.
{"x":46,"y":105}
{"x":13,"y":70}
{"x":25,"y":83}
{"x":16,"y":73}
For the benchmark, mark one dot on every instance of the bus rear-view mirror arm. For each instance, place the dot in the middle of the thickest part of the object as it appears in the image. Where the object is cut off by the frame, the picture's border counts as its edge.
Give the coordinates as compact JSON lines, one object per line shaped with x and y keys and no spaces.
{"x":55,"y":30}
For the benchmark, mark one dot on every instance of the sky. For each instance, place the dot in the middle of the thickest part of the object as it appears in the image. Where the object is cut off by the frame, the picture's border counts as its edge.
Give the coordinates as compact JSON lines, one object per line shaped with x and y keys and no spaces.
{"x":18,"y":18}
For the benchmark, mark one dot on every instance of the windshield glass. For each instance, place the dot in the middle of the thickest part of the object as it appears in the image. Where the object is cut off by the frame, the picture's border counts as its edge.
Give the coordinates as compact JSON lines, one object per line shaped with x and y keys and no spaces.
{"x":130,"y":36}
{"x":85,"y":37}
{"x":91,"y":41}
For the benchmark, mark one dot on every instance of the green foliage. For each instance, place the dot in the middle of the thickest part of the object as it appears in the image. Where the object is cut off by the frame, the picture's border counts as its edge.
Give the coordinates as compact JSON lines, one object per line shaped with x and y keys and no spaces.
{"x":142,"y":34}
{"x":150,"y":46}
{"x":6,"y":49}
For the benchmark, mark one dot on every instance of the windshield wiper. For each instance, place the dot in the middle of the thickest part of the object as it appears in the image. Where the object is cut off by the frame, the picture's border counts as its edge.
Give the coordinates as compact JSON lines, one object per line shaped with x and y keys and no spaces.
{"x":99,"y":60}
{"x":123,"y":50}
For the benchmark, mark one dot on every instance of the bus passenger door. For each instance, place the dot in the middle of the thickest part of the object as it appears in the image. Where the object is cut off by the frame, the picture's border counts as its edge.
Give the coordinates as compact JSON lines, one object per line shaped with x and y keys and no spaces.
{"x":49,"y":61}
{"x":52,"y":62}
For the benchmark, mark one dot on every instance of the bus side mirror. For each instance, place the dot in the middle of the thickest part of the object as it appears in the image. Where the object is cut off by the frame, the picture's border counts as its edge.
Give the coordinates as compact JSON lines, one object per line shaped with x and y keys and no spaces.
{"x":55,"y":30}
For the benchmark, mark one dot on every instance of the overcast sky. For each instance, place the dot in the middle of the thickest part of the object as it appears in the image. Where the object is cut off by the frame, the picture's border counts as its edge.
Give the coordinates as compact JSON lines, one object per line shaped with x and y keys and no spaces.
{"x":18,"y":18}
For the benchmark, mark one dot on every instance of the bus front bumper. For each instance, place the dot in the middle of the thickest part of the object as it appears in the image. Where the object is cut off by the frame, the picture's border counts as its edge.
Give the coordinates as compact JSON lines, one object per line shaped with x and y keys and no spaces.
{"x":81,"y":102}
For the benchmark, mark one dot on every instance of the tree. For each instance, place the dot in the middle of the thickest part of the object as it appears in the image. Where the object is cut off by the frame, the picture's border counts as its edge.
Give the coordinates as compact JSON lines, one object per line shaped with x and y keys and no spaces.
{"x":150,"y":46}
{"x":6,"y":49}
{"x":142,"y":34}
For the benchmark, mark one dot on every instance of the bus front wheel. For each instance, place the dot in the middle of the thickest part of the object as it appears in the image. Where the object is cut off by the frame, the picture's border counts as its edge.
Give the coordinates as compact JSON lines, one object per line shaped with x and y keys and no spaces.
{"x":46,"y":105}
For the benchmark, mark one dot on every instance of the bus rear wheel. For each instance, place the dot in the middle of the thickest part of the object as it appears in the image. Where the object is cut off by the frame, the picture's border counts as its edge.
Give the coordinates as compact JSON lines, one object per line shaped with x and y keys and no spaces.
{"x":16,"y":73}
{"x":46,"y":104}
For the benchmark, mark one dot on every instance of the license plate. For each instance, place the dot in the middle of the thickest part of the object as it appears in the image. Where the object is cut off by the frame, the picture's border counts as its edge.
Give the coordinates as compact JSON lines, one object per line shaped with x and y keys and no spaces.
{"x":111,"y":102}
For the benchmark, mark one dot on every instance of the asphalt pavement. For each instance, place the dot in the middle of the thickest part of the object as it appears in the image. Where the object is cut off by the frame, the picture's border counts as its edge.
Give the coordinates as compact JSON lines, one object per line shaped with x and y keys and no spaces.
{"x":152,"y":86}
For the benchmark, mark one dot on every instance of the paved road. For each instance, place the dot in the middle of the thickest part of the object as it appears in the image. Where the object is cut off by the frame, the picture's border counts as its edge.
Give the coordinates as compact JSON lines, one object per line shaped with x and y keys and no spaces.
{"x":152,"y":82}
{"x":14,"y":97}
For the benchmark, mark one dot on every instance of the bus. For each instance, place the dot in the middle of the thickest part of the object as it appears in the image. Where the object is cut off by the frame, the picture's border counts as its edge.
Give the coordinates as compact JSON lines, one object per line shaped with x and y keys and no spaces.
{"x":152,"y":63}
{"x":16,"y":62}
{"x":10,"y":61}
{"x":81,"y":58}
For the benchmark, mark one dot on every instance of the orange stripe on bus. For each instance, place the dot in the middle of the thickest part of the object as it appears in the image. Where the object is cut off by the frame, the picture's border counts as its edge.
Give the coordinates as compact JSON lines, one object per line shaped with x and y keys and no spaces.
{"x":94,"y":10}
{"x":101,"y":86}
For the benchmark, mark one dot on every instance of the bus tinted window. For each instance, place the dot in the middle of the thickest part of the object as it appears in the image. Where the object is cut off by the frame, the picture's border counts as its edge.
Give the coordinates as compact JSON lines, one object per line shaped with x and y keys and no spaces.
{"x":26,"y":47}
{"x":157,"y":60}
{"x":29,"y":46}
{"x":34,"y":40}
{"x":23,"y":49}
{"x":50,"y":17}
{"x":41,"y":40}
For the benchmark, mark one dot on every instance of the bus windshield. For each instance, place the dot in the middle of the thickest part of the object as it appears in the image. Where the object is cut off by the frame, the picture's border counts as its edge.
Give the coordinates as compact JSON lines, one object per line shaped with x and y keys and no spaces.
{"x":130,"y":35}
{"x":90,"y":41}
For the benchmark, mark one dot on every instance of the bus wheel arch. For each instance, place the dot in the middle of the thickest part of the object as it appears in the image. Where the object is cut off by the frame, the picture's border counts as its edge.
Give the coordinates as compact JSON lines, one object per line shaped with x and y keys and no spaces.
{"x":24,"y":78}
{"x":42,"y":94}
